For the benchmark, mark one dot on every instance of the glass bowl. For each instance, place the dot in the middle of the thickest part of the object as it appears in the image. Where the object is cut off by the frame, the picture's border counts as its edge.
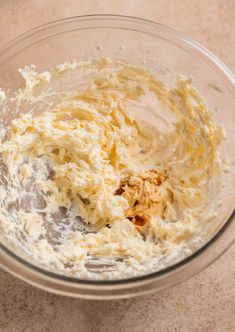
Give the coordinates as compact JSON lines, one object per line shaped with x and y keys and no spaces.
{"x":168,"y":54}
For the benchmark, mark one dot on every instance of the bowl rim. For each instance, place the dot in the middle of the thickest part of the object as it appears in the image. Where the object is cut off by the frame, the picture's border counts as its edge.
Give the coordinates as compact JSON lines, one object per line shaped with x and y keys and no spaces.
{"x":190,"y":42}
{"x":153,"y":275}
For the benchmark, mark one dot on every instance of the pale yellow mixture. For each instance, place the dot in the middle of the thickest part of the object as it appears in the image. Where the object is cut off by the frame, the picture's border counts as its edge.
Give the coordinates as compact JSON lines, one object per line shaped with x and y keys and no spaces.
{"x":96,"y":176}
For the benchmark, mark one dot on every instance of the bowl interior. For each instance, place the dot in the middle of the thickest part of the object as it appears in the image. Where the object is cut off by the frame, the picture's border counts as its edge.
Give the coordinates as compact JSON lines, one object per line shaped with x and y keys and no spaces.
{"x":164,"y":53}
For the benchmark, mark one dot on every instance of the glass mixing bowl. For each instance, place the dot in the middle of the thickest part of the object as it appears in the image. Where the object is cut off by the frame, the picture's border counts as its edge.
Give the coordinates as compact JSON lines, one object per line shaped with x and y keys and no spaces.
{"x":167,"y":53}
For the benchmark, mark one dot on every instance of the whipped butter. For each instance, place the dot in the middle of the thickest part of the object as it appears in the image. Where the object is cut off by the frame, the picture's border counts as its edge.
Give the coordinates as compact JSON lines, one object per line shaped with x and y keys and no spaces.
{"x":96,"y":183}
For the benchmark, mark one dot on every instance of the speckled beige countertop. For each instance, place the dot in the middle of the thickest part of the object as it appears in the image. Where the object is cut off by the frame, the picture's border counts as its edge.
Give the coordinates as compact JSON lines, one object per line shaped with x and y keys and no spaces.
{"x":205,"y":303}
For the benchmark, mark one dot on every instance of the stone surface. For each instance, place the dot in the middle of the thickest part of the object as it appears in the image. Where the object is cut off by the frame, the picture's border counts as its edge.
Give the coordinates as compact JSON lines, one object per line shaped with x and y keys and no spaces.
{"x":205,"y":303}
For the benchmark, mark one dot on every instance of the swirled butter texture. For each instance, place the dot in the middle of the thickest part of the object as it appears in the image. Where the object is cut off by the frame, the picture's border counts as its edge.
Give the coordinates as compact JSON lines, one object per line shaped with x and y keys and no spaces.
{"x":109,"y":172}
